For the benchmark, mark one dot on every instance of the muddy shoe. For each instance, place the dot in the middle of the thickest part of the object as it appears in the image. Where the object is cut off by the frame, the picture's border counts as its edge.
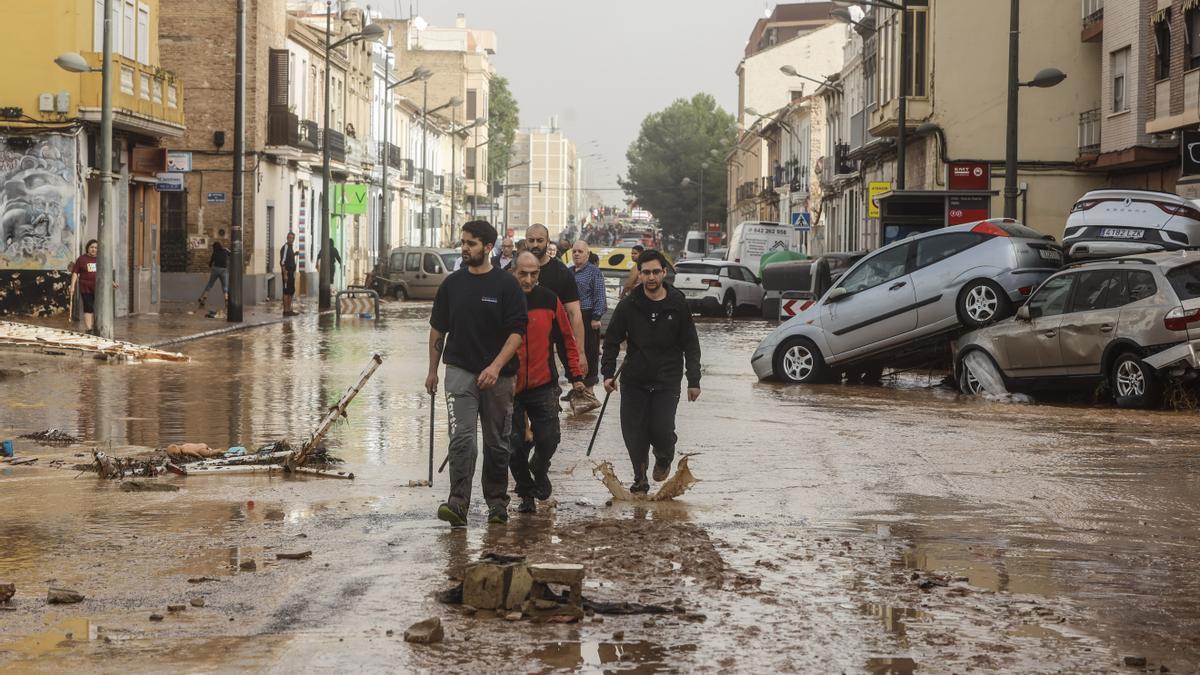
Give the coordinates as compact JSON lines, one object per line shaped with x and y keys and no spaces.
{"x":542,"y":486}
{"x":661,"y":470}
{"x":527,"y":505}
{"x":456,"y":516}
{"x":640,"y":486}
{"x":498,"y":515}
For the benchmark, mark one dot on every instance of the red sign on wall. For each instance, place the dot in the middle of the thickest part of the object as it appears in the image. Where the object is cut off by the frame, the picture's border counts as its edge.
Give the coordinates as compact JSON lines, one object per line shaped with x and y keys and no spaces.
{"x":969,"y":175}
{"x":960,"y":210}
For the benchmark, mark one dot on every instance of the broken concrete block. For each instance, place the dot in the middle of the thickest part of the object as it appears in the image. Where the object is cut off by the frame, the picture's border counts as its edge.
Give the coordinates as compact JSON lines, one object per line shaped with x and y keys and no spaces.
{"x":63,"y":596}
{"x":197,"y":602}
{"x":7,"y":591}
{"x":520,"y":582}
{"x":566,"y":574}
{"x":425,"y":632}
{"x":176,"y":608}
{"x":483,"y":586}
{"x":248,"y":566}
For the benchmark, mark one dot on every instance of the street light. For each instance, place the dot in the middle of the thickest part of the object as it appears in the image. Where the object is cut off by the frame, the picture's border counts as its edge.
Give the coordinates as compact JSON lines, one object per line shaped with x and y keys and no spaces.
{"x":420,"y":73}
{"x":452,"y":103}
{"x":1047,"y":77}
{"x":106,"y":229}
{"x":789,"y":70}
{"x":371,"y":32}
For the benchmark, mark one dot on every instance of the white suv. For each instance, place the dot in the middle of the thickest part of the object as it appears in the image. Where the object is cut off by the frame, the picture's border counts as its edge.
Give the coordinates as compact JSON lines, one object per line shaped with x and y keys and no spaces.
{"x":1108,"y":223}
{"x":719,"y":286}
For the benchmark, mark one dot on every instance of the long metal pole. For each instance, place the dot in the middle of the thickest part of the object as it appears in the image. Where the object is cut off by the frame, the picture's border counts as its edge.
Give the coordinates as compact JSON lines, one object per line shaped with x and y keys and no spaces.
{"x":453,"y":169}
{"x":325,"y":294}
{"x":106,"y":229}
{"x":385,"y":212}
{"x":475,"y":179}
{"x":233,"y":312}
{"x":702,"y":197}
{"x":902,"y":102}
{"x":1010,"y":140}
{"x":424,"y":155}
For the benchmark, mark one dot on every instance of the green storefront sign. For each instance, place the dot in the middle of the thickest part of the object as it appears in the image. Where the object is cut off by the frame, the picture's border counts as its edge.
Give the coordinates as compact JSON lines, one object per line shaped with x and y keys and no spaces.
{"x":350,"y":199}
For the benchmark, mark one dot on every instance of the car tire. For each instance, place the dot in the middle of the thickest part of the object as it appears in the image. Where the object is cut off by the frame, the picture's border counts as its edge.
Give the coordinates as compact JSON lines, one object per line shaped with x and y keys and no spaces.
{"x":1134,"y":383}
{"x":967,"y":382}
{"x":729,"y":306}
{"x":399,"y":293}
{"x":798,"y":361}
{"x":982,"y":303}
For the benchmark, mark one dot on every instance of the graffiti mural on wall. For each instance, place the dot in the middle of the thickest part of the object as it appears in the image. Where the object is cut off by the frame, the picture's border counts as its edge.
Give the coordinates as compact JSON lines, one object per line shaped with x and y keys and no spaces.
{"x":37,"y":202}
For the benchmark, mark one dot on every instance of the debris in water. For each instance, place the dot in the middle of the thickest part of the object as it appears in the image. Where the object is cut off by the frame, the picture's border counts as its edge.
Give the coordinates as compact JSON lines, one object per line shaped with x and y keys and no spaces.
{"x":193,"y":451}
{"x":679,"y":482}
{"x":293,"y":556}
{"x":63,"y":596}
{"x":425,"y":632}
{"x":147,"y":486}
{"x":419,"y":483}
{"x":197,"y":602}
{"x":7,"y":591}
{"x":50,"y":436}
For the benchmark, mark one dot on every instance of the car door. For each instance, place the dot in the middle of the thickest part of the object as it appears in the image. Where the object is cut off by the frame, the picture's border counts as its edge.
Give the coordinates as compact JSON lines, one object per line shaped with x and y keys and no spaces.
{"x":879,"y":304}
{"x":936,"y":272}
{"x":395,"y":270}
{"x":432,"y":274}
{"x":1087,"y":328}
{"x":753,"y":290}
{"x":412,"y":274}
{"x":738,"y":283}
{"x":1031,"y":348}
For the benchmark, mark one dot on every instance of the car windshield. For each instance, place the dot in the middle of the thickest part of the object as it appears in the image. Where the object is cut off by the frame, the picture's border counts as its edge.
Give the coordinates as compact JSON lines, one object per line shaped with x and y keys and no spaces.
{"x":695,"y":246}
{"x":696,"y":268}
{"x":1186,"y":281}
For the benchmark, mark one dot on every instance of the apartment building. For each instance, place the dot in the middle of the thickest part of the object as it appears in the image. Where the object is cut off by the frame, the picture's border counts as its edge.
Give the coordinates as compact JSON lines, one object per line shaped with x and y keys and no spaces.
{"x":49,"y":150}
{"x":544,"y":184}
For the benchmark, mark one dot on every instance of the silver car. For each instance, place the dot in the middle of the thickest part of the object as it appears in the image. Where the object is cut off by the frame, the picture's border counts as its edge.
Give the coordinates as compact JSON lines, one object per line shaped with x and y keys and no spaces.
{"x":1107,"y":223}
{"x":899,"y":295}
{"x":1118,"y":319}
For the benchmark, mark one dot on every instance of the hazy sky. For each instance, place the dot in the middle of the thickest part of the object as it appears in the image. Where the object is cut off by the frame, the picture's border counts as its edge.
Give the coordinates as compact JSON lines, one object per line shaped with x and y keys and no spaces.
{"x":603,"y":65}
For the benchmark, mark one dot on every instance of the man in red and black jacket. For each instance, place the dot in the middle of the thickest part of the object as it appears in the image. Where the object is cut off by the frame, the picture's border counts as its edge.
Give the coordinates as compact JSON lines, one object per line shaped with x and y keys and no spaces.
{"x":537,"y":384}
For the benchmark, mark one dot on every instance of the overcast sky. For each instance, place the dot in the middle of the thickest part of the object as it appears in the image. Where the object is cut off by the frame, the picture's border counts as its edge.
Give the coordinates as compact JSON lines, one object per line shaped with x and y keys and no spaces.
{"x":603,"y":65}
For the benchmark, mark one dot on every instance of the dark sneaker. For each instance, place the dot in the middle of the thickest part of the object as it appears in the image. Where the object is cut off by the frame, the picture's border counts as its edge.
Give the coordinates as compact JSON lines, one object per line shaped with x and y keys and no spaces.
{"x":542,"y":486}
{"x":455,"y":515}
{"x":528,"y":505}
{"x":661,"y":470}
{"x":640,"y":486}
{"x":498,"y":515}
{"x":568,"y":396}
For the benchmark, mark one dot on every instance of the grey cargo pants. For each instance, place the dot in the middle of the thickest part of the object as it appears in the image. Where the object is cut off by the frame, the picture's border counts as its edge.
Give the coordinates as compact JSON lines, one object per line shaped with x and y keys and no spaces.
{"x":491,"y":409}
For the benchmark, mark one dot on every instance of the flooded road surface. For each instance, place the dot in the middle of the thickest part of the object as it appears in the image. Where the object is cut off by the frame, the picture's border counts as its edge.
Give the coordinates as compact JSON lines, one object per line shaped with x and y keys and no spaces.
{"x":888,"y":529}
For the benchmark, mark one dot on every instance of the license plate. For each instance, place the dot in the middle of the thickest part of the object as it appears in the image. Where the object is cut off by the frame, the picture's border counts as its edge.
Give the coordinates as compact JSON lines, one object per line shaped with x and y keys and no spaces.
{"x":1120,"y":233}
{"x":1050,"y":254}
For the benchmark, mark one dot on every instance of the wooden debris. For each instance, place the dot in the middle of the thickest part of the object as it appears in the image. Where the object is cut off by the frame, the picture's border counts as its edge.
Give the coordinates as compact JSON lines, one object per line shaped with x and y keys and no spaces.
{"x":293,"y":556}
{"x":54,"y":340}
{"x":238,"y":468}
{"x":63,"y":596}
{"x":16,"y":461}
{"x":325,"y":473}
{"x":147,"y":486}
{"x":336,"y":412}
{"x":50,"y":436}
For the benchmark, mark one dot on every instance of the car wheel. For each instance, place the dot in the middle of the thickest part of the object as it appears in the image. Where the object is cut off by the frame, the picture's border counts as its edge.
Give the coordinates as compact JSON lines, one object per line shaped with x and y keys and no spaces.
{"x":981,"y":303}
{"x":799,"y":361}
{"x":729,"y":306}
{"x":399,"y":293}
{"x":1135,"y":384}
{"x":967,"y":382}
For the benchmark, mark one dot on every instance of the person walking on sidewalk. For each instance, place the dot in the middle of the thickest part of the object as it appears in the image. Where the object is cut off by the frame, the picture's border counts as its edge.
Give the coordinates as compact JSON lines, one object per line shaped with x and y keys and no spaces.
{"x":480,"y":312}
{"x":287,"y":266}
{"x":218,"y":269}
{"x":537,"y":384}
{"x":655,"y":323}
{"x":592,"y":303}
{"x":83,"y":277}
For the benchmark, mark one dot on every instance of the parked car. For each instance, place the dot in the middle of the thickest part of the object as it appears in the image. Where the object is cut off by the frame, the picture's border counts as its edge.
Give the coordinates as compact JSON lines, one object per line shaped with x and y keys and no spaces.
{"x":804,"y":280}
{"x":897,"y":296}
{"x":719,"y":253}
{"x":1108,"y":223}
{"x":1095,"y":321}
{"x":413,"y":272}
{"x":694,"y":246}
{"x":719,"y":287}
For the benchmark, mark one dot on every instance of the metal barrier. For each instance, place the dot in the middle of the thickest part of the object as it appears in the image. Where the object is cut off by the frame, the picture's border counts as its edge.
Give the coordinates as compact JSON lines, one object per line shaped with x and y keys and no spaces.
{"x":357,"y":301}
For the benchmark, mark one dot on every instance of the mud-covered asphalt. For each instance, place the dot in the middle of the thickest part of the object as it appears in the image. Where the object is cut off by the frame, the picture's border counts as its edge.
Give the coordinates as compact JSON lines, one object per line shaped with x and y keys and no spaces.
{"x":896,"y":529}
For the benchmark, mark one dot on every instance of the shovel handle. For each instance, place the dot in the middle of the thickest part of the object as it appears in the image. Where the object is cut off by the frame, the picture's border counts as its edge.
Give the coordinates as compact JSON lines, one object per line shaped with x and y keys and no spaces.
{"x":603,"y":407}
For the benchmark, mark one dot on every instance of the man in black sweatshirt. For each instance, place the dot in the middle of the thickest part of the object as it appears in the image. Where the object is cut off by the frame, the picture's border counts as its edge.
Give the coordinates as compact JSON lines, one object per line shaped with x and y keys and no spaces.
{"x":655,"y":322}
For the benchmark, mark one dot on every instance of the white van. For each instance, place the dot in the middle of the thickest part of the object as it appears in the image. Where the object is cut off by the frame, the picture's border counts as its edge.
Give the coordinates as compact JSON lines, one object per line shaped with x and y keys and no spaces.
{"x":755,"y":238}
{"x":694,"y":247}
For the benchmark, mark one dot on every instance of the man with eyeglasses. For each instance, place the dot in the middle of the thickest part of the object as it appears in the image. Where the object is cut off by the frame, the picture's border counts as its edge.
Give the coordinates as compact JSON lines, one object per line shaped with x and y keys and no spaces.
{"x":504,"y":258}
{"x":655,"y":323}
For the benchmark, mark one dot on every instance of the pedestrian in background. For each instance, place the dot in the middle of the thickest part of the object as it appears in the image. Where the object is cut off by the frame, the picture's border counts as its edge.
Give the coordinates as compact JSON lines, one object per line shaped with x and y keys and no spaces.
{"x":555,"y":276}
{"x":633,"y":279}
{"x":218,"y":269}
{"x":287,"y":266}
{"x":656,"y":326}
{"x":537,"y":385}
{"x":83,"y":277}
{"x":552,"y":250}
{"x":505,"y":256}
{"x":480,"y":312}
{"x":592,"y":304}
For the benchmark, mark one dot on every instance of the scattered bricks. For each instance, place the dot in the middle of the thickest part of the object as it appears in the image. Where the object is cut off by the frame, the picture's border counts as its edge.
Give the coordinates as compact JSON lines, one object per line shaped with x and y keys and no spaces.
{"x":159,"y":617}
{"x":520,"y":583}
{"x":425,"y":632}
{"x":7,"y":591}
{"x":197,"y":602}
{"x":483,"y":586}
{"x":176,"y":608}
{"x":63,"y":596}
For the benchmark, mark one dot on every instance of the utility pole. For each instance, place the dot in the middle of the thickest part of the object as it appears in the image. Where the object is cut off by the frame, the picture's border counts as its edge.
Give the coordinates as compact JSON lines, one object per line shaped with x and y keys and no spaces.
{"x":902,"y":103}
{"x":325,"y":292}
{"x":385,"y":210}
{"x":233,"y":311}
{"x":424,"y":156}
{"x":106,"y":230}
{"x":1010,"y":140}
{"x":453,"y":169}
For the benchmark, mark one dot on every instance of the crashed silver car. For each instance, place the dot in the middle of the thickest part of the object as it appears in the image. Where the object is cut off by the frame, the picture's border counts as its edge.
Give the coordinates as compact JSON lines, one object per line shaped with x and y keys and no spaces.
{"x":909,"y":292}
{"x":1133,"y":321}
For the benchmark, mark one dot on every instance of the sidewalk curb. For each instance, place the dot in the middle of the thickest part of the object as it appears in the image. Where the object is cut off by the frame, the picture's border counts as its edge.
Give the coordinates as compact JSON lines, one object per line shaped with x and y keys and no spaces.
{"x":226,"y":330}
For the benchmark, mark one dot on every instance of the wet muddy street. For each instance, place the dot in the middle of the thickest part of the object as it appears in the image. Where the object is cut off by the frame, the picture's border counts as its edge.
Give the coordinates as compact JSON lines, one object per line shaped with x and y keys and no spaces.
{"x":892,"y":529}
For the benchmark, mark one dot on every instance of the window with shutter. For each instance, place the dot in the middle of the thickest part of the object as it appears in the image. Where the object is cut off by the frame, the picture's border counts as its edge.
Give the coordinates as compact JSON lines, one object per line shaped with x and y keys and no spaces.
{"x":143,"y":33}
{"x":277,"y":78}
{"x":472,"y":102}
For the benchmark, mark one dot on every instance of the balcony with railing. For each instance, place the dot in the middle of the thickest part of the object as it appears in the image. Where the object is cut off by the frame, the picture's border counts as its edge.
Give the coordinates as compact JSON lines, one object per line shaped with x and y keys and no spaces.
{"x":140,"y":92}
{"x":391,"y":155}
{"x":337,"y":144}
{"x":1093,"y":20}
{"x":1089,"y":133}
{"x":286,"y":129}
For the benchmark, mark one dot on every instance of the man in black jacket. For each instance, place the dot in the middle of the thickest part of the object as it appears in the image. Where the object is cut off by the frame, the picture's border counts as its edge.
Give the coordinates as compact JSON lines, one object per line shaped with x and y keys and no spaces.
{"x":655,"y":322}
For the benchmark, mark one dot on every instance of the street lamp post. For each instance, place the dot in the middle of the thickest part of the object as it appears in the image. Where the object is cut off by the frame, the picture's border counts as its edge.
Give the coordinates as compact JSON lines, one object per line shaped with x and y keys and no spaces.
{"x":370,"y":32}
{"x":233,"y":311}
{"x":425,"y":111}
{"x":385,"y":216}
{"x":106,"y":229}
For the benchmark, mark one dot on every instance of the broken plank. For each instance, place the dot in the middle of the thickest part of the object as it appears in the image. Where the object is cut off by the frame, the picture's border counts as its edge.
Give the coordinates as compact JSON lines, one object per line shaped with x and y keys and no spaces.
{"x":240,"y":459}
{"x":326,"y":473}
{"x":338,"y":410}
{"x":293,"y":556}
{"x":242,"y":468}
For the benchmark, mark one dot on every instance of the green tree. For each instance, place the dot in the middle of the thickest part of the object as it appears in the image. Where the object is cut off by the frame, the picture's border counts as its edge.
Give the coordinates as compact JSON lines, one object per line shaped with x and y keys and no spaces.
{"x":503,"y":116}
{"x":671,"y":147}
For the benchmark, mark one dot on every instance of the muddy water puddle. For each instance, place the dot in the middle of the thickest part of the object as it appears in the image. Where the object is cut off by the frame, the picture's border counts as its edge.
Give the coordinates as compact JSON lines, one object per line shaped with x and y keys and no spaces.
{"x":636,"y":656}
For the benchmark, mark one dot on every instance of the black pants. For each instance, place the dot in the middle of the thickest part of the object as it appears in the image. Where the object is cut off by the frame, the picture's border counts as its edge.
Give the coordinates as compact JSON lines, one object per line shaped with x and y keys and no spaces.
{"x":648,"y":419}
{"x":532,"y":474}
{"x":591,"y":349}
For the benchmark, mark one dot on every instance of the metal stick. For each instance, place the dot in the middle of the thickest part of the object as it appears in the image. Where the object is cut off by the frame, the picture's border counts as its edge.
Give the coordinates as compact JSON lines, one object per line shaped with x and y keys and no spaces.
{"x":604,"y":407}
{"x":432,"y":411}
